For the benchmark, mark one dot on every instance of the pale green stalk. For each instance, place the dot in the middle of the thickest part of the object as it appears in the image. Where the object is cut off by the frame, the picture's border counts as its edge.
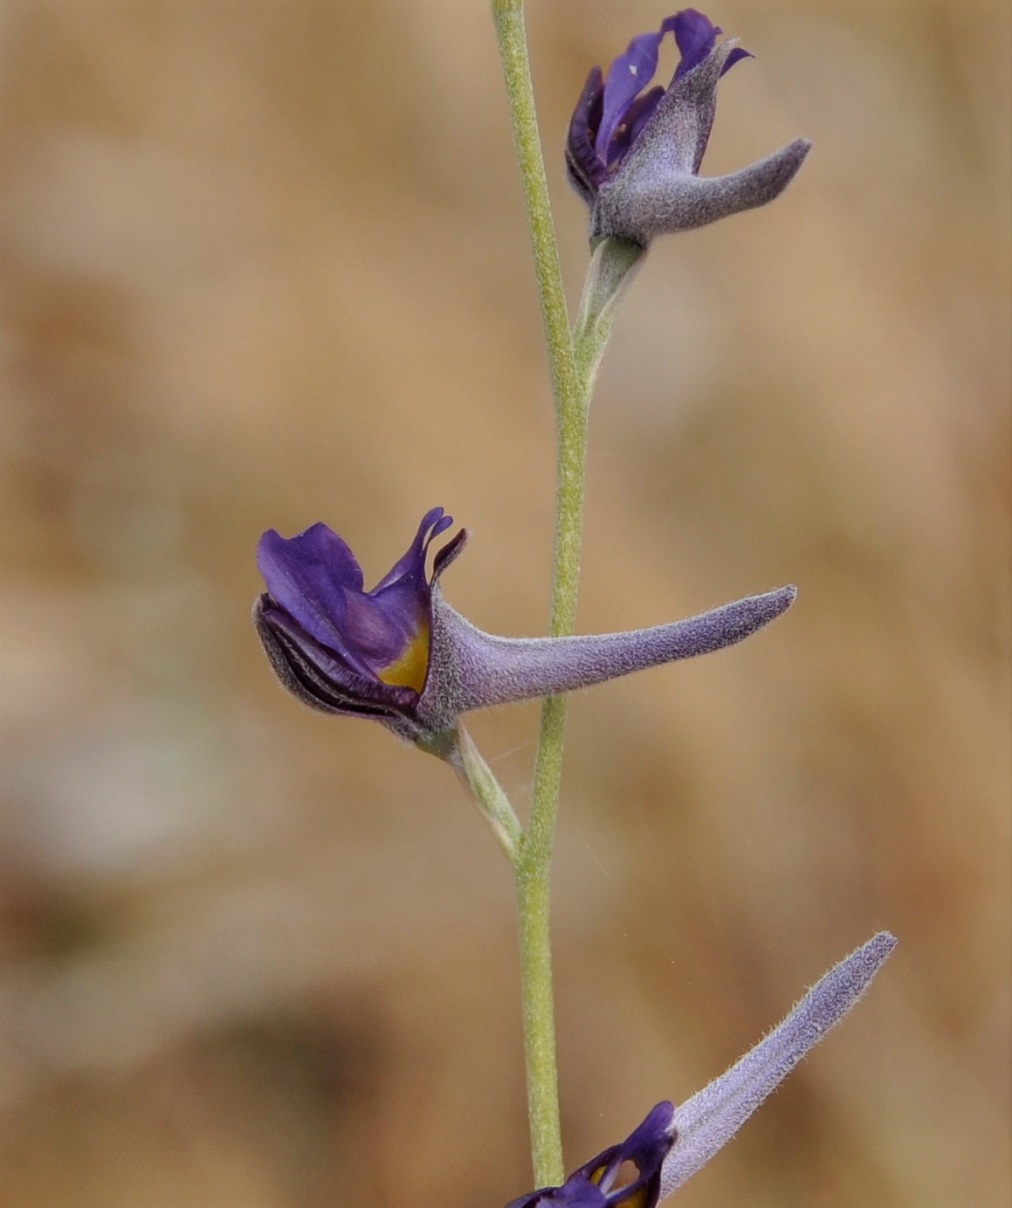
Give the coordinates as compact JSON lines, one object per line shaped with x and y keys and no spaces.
{"x":487,"y":792}
{"x":573,"y":364}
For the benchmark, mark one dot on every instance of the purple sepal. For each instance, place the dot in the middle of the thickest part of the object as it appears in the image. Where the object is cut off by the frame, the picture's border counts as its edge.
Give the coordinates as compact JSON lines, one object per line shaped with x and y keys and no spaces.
{"x":633,"y":153}
{"x":402,"y":655}
{"x":707,"y":1121}
{"x":595,"y":1185}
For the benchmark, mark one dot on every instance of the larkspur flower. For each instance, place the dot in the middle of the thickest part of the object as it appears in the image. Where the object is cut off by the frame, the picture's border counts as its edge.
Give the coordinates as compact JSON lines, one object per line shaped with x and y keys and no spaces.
{"x":606,"y":1181}
{"x":673,"y":1143}
{"x":401,"y":655}
{"x":633,"y":152}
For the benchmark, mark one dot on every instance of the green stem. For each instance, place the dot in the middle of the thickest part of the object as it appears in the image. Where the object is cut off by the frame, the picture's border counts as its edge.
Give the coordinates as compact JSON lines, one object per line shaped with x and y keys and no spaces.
{"x":512,"y":37}
{"x":533,"y":866}
{"x":573,"y":360}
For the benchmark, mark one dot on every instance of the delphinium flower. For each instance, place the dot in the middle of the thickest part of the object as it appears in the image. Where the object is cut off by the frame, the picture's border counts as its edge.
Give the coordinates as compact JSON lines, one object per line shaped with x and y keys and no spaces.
{"x":606,"y":1181}
{"x":673,"y":1143}
{"x":401,"y":655}
{"x":634,"y":152}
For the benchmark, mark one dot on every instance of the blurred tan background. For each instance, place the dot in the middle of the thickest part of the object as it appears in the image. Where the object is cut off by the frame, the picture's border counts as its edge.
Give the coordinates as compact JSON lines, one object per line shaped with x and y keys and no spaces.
{"x":264,"y":264}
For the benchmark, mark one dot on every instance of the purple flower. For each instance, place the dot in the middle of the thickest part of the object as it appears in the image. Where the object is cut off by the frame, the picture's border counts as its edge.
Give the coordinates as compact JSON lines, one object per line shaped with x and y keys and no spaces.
{"x":633,"y":152}
{"x":402,"y":655}
{"x":605,"y":1181}
{"x":672,"y":1144}
{"x":336,"y":646}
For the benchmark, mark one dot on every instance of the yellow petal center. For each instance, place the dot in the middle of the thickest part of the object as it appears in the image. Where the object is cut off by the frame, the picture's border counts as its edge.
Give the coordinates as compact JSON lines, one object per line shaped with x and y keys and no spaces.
{"x":410,"y":670}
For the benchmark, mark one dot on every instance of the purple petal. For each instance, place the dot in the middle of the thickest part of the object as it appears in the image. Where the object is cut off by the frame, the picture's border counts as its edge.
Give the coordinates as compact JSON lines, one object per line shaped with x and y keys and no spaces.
{"x":628,"y":75}
{"x":337,"y":660}
{"x":646,"y":1148}
{"x":593,"y":1185}
{"x":412,"y":564}
{"x":309,"y":575}
{"x":584,"y":1195}
{"x":347,"y":643}
{"x":383,"y":623}
{"x":315,"y":579}
{"x":637,"y":116}
{"x":378,"y":628}
{"x":707,"y":1121}
{"x":696,"y":36}
{"x":448,"y":554}
{"x":672,"y":143}
{"x":735,"y":56}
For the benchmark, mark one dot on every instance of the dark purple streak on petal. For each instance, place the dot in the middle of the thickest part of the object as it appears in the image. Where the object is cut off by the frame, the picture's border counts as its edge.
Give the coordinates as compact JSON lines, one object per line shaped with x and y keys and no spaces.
{"x":317,"y":677}
{"x":336,"y":660}
{"x":586,"y":170}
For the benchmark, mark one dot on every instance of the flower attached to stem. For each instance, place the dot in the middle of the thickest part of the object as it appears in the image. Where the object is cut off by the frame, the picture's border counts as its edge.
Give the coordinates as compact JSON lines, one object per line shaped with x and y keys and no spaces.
{"x":633,"y":152}
{"x":401,"y":655}
{"x":673,"y":1143}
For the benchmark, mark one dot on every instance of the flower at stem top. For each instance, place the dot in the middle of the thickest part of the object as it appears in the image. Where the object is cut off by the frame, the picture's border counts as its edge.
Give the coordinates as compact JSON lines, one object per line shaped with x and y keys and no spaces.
{"x":673,"y":1143}
{"x":401,"y":655}
{"x":634,"y":152}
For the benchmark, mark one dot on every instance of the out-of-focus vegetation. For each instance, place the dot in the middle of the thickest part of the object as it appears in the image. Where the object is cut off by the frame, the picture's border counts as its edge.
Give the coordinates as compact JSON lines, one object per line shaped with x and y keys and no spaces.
{"x":265,"y":264}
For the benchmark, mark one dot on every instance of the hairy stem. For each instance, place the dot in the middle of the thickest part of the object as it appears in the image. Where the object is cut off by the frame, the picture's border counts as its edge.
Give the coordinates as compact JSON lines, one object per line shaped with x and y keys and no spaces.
{"x":533,"y":866}
{"x":573,"y":361}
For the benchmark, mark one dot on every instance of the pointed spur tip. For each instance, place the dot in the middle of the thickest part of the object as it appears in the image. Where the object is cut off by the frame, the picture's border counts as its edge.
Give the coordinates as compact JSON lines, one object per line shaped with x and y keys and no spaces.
{"x":775,"y":603}
{"x":880,"y":946}
{"x":785,"y":595}
{"x":798,"y":152}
